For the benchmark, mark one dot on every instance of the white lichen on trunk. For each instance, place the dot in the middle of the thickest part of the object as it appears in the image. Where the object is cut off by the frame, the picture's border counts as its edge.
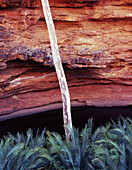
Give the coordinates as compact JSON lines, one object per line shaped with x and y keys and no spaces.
{"x":59,"y":69}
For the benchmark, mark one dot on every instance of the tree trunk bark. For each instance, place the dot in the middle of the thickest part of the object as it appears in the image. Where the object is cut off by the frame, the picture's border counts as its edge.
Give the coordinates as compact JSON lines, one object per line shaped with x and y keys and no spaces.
{"x":59,"y":69}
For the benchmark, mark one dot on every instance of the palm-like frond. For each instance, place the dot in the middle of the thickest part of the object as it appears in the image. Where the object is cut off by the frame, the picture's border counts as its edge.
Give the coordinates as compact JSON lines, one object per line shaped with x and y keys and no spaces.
{"x":76,"y":153}
{"x":108,"y":147}
{"x":115,"y":147}
{"x":22,"y":152}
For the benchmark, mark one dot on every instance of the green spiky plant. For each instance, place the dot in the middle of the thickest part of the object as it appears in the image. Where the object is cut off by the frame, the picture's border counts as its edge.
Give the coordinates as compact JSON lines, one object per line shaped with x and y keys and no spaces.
{"x":72,"y":154}
{"x":22,"y":152}
{"x":108,"y":147}
{"x":114,"y":148}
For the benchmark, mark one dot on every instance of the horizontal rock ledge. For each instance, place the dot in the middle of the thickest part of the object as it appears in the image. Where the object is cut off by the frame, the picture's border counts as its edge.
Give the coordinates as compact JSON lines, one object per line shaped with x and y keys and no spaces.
{"x":39,"y":109}
{"x":28,"y":84}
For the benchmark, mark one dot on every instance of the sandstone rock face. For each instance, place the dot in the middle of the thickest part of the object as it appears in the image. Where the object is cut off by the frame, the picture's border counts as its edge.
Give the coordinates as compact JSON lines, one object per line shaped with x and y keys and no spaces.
{"x":95,"y":42}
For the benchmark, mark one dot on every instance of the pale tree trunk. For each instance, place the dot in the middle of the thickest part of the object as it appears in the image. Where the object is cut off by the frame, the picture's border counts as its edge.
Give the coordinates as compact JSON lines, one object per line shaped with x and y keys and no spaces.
{"x":59,"y":69}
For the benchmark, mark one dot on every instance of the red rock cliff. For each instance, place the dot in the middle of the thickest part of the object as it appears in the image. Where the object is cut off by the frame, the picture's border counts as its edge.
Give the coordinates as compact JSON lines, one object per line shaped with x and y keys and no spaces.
{"x":95,"y":40}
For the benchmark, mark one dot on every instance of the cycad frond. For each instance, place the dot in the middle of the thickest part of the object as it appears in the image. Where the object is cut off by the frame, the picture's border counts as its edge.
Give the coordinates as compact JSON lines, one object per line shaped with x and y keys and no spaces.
{"x":108,"y":147}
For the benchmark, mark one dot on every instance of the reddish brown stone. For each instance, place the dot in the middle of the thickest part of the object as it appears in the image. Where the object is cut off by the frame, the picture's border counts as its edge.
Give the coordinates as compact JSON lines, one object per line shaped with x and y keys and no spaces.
{"x":94,"y":39}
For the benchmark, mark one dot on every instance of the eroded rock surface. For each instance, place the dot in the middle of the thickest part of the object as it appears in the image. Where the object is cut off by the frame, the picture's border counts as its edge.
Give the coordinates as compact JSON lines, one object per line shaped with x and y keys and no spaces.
{"x":95,"y":42}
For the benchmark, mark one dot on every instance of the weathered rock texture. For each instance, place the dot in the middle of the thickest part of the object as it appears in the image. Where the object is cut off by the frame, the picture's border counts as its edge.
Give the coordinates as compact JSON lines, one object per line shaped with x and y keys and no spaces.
{"x":95,"y":42}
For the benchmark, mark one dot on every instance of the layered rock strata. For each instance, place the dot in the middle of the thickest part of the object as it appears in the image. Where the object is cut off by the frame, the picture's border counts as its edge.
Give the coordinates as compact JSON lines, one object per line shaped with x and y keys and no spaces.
{"x":94,"y":38}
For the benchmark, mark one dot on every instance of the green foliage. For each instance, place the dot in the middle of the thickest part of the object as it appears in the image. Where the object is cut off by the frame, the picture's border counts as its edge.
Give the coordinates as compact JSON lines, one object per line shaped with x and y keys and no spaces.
{"x":114,"y":148}
{"x":22,"y":152}
{"x":107,"y":148}
{"x":76,"y":153}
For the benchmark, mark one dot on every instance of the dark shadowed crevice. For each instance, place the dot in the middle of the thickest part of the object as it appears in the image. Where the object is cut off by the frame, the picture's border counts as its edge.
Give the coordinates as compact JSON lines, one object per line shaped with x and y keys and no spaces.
{"x":53,"y":120}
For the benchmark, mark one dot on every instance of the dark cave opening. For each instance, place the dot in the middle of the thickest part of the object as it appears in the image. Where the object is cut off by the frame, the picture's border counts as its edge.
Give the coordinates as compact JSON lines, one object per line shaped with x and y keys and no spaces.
{"x":53,"y":120}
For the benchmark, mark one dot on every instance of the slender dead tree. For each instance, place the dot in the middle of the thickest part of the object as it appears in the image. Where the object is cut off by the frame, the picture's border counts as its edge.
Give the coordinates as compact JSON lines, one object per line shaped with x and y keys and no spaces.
{"x":59,"y":69}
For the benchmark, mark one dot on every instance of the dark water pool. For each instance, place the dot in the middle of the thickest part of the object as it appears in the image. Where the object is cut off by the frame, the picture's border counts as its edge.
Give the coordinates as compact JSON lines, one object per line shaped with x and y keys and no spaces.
{"x":53,"y":120}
